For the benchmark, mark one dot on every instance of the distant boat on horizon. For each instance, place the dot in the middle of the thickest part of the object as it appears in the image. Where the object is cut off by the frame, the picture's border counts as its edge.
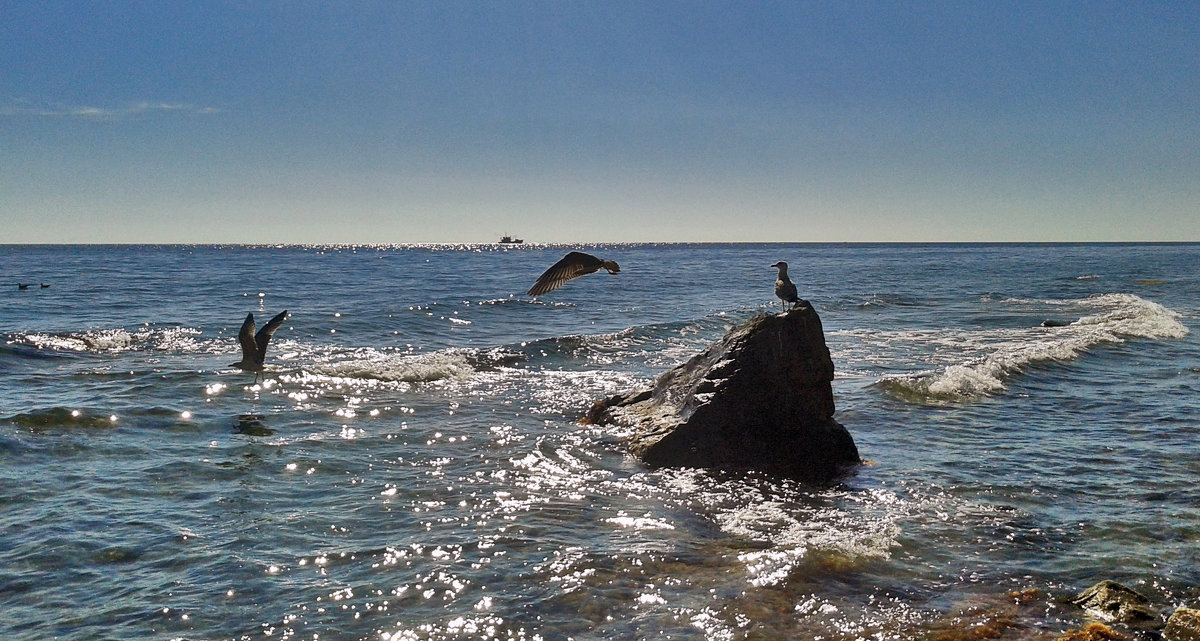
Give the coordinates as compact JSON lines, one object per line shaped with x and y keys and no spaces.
{"x":509,"y":240}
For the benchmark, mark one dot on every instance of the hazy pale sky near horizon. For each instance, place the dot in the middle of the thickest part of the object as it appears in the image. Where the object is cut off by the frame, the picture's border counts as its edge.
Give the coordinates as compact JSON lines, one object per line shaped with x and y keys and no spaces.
{"x":579,"y":121}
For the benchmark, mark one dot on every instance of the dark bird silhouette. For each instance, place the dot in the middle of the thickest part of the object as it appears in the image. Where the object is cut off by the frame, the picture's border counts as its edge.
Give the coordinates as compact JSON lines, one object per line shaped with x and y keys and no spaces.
{"x":785,"y":289}
{"x":254,"y":346}
{"x":22,"y":286}
{"x":573,"y":265}
{"x":45,"y":286}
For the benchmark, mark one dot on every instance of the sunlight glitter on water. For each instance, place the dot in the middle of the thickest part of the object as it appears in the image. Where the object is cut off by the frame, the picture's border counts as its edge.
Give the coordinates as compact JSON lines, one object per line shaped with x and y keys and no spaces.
{"x":374,"y":489}
{"x":640,"y":522}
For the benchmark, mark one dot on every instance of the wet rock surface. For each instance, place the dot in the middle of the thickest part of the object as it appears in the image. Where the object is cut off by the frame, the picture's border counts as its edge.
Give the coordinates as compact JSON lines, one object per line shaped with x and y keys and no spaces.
{"x":1184,"y":625}
{"x":1112,"y":601}
{"x":758,"y":399}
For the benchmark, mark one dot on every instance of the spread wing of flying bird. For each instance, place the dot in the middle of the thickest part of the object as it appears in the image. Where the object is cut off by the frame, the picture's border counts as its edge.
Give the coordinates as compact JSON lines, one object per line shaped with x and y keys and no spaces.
{"x":573,"y":265}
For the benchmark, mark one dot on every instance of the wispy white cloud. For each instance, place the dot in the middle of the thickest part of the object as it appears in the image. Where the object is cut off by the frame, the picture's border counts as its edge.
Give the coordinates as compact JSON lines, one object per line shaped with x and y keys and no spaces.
{"x":59,"y":110}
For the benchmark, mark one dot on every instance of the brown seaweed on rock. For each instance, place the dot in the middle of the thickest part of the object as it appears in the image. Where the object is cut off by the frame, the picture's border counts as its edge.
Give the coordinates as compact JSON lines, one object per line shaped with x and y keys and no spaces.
{"x":1093,"y":632}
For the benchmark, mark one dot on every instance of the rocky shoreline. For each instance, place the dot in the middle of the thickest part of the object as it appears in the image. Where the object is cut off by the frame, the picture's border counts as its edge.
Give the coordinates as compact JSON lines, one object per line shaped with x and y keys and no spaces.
{"x":1112,"y":602}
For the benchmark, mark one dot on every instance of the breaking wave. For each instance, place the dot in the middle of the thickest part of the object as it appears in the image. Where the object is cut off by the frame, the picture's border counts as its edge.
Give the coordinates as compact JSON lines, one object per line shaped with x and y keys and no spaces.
{"x":995,"y":356}
{"x":448,"y":364}
{"x":181,"y":339}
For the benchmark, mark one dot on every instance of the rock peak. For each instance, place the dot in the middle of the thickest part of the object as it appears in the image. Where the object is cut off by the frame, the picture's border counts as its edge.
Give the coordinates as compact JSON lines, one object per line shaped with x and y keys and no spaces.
{"x":758,"y":399}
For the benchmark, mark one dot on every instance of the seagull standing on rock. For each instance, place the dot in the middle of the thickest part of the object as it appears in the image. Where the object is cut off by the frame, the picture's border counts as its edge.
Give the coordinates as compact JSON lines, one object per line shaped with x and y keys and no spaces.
{"x":254,"y":346}
{"x":573,"y":265}
{"x":785,"y":289}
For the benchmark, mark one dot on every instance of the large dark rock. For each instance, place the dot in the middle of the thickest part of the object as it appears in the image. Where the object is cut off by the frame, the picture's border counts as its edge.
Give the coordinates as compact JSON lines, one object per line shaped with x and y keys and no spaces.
{"x":758,"y":399}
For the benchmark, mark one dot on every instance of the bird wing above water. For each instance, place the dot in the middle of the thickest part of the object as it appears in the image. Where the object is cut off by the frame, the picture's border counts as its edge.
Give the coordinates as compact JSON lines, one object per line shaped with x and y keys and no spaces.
{"x":573,"y":265}
{"x":246,"y":338}
{"x":264,"y":335}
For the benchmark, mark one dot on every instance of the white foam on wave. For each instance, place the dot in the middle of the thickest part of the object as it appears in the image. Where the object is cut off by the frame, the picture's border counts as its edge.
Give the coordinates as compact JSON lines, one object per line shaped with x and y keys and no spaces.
{"x":109,"y":340}
{"x":180,"y":339}
{"x":1127,"y":315}
{"x":994,"y":356}
{"x":399,"y":368}
{"x":867,"y":531}
{"x":794,"y":525}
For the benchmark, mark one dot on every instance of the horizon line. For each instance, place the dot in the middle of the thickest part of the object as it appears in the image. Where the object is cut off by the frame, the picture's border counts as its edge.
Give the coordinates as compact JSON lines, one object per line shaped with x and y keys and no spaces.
{"x":595,"y":243}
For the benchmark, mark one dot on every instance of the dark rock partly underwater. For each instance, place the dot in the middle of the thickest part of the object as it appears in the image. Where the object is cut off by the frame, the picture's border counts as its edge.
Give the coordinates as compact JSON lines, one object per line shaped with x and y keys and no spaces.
{"x":758,"y":399}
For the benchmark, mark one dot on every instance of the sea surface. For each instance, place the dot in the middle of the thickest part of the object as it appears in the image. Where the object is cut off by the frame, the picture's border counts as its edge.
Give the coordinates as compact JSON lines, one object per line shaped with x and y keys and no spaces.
{"x":413,"y":468}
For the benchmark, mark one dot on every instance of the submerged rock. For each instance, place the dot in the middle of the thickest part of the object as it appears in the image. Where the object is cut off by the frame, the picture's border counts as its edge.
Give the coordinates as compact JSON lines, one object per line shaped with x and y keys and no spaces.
{"x":1112,"y":601}
{"x":758,"y":399}
{"x":1184,"y":625}
{"x":252,"y":425}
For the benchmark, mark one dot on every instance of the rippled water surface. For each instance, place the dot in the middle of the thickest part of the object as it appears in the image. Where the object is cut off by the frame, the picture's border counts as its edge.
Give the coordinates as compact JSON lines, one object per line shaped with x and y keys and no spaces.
{"x":412,"y":467}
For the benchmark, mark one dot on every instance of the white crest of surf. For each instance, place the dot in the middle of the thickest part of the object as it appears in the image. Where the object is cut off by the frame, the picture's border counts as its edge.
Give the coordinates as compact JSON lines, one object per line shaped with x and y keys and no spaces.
{"x":97,"y":340}
{"x":398,"y":368}
{"x":994,"y":356}
{"x":117,"y":340}
{"x":1127,"y":315}
{"x":795,"y":523}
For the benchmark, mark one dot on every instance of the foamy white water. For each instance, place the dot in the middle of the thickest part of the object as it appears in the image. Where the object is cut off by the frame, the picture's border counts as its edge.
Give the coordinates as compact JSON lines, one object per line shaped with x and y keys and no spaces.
{"x":993,"y":356}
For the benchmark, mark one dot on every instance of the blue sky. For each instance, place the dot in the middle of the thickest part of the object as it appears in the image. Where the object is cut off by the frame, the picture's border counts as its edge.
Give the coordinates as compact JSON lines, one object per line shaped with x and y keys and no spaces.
{"x":577,"y":121}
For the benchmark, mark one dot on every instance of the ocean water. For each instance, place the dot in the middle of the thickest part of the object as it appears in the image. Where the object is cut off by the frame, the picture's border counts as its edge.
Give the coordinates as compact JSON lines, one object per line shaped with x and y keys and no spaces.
{"x":412,"y":467}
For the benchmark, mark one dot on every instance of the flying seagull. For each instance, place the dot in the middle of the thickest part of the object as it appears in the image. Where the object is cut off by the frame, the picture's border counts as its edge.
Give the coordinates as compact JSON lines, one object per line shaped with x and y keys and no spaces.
{"x":254,"y":346}
{"x":573,"y":265}
{"x":785,"y":289}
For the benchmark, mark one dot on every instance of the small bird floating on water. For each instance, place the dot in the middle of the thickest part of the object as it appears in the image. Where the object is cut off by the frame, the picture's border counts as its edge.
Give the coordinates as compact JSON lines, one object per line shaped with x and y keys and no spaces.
{"x":254,"y":346}
{"x":573,"y":265}
{"x":785,"y":289}
{"x":22,"y":286}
